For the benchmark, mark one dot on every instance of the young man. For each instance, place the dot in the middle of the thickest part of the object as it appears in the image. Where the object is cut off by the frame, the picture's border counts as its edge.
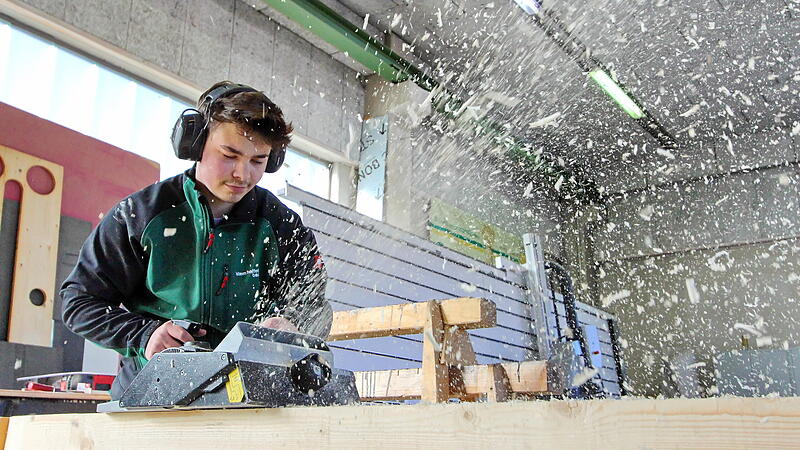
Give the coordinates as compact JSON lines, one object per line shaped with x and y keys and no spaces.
{"x":207,"y":245}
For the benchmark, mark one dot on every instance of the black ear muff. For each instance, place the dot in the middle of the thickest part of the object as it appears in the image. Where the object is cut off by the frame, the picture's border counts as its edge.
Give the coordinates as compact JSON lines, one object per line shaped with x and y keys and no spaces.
{"x":275,"y":160}
{"x":190,"y":131}
{"x":189,"y":135}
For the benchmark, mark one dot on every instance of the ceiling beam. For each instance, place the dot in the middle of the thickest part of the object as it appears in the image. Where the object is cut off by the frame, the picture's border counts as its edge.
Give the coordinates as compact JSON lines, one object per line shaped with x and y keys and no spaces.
{"x":355,"y":42}
{"x":336,"y":30}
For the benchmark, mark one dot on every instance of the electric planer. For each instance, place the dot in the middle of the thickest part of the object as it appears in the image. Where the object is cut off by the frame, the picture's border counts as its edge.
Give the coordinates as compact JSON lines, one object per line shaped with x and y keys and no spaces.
{"x":252,"y":367}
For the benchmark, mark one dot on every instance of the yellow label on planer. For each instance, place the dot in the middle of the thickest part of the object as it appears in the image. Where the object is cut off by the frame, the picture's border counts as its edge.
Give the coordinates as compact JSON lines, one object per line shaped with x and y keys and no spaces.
{"x":234,"y":386}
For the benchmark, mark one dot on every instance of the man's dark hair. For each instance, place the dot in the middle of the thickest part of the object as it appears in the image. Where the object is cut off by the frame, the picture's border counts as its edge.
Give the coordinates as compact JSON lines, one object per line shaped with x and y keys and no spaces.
{"x":252,"y":111}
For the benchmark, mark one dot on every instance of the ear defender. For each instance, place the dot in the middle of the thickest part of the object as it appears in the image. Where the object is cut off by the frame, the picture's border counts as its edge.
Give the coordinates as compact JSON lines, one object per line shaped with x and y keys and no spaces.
{"x":275,"y":160}
{"x":189,"y":135}
{"x":190,"y":131}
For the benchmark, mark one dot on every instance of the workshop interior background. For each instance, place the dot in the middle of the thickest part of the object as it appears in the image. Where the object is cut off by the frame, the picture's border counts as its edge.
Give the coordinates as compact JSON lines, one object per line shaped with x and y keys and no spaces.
{"x":677,"y":215}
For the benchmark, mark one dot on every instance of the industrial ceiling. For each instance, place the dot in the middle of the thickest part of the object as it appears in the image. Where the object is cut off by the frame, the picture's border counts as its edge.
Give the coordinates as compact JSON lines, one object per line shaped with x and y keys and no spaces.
{"x":721,"y":76}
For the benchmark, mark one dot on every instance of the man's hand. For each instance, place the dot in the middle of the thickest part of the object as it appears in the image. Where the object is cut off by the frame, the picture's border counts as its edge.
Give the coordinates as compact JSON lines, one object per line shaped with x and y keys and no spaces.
{"x":168,"y":335}
{"x":278,"y":323}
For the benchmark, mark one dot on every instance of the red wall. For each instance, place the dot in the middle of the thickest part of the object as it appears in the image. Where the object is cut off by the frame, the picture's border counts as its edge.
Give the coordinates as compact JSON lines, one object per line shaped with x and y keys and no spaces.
{"x":97,"y":175}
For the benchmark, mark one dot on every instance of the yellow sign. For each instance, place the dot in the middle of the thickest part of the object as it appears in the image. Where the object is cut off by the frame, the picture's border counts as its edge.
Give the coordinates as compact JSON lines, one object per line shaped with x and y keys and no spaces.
{"x":234,"y":386}
{"x":457,"y":230}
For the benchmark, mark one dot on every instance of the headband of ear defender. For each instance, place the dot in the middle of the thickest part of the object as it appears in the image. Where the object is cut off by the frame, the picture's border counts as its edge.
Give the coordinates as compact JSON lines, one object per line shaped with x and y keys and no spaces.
{"x":191,"y":129}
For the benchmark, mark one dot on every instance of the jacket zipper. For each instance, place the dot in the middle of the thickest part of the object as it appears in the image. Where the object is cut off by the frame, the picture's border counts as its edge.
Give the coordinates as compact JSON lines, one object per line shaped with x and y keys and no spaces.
{"x":209,"y":242}
{"x":205,"y":307}
{"x":224,"y":281}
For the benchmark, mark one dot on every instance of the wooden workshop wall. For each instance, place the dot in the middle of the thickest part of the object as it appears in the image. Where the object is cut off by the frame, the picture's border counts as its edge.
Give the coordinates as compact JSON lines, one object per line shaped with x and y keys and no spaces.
{"x":96,"y":176}
{"x":370,"y":264}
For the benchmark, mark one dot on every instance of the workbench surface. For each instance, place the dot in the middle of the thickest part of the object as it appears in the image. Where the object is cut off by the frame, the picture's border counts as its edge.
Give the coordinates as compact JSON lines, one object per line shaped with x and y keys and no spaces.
{"x":17,"y":393}
{"x":641,"y":423}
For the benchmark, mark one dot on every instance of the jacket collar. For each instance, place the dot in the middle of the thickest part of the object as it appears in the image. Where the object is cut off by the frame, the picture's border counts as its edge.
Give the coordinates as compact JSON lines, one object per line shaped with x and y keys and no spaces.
{"x":244,"y":211}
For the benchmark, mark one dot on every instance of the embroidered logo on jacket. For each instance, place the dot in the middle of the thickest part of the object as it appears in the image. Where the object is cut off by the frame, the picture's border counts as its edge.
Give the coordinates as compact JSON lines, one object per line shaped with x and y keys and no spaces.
{"x":252,"y":272}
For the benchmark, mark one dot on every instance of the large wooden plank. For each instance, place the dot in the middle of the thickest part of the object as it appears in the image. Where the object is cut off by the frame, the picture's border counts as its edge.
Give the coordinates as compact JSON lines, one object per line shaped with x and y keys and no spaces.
{"x":435,"y":375}
{"x":410,"y":318}
{"x":745,"y":423}
{"x":503,"y":343}
{"x":524,"y":377}
{"x":501,"y":334}
{"x":17,"y":393}
{"x":346,"y":296}
{"x":346,"y":272}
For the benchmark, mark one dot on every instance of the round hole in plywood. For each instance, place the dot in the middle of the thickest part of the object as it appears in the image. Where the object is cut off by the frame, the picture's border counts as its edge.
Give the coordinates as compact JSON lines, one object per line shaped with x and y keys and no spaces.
{"x":37,"y":297}
{"x":13,"y":191}
{"x":2,"y":166}
{"x":41,"y":180}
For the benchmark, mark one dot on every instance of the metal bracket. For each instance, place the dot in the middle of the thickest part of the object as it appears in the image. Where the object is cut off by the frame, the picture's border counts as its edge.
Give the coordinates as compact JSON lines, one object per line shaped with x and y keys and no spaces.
{"x":536,"y":280}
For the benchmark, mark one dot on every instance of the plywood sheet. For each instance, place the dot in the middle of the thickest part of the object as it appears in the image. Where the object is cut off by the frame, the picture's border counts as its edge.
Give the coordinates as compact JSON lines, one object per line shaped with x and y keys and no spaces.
{"x":37,"y":248}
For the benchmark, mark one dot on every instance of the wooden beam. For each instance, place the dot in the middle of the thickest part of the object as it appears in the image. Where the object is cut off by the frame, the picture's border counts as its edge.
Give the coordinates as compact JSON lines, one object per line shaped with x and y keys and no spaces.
{"x":3,"y":431}
{"x":457,"y":349}
{"x":499,"y":385}
{"x":746,"y":423}
{"x":527,"y":377}
{"x":18,"y":393}
{"x":435,"y":374}
{"x":409,"y":318}
{"x":458,"y":353}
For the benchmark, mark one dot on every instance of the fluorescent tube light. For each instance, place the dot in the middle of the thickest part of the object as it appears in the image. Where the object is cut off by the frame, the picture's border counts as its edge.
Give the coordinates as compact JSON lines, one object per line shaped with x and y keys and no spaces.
{"x":614,"y":91}
{"x":529,"y":6}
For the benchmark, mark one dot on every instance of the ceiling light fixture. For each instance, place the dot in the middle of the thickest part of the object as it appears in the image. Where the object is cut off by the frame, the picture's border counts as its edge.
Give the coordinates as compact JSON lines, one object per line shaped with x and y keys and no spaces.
{"x":576,"y":50}
{"x":529,"y":6}
{"x":628,"y":104}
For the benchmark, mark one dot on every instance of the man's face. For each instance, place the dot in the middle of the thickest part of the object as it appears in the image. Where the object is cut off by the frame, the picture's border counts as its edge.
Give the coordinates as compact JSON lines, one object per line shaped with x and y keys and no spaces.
{"x":233,"y":162}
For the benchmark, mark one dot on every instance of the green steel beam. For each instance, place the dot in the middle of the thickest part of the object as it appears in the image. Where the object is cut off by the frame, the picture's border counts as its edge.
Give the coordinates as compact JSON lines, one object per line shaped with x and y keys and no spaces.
{"x":355,"y":42}
{"x":334,"y":29}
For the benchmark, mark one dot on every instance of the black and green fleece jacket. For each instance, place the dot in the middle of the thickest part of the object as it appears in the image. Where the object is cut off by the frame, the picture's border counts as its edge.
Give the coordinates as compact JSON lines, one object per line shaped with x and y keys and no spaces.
{"x":157,"y":255}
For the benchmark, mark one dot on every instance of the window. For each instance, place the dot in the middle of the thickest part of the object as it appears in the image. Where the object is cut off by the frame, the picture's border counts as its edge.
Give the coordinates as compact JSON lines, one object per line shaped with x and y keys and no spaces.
{"x":309,"y":174}
{"x":59,"y":85}
{"x":63,"y":87}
